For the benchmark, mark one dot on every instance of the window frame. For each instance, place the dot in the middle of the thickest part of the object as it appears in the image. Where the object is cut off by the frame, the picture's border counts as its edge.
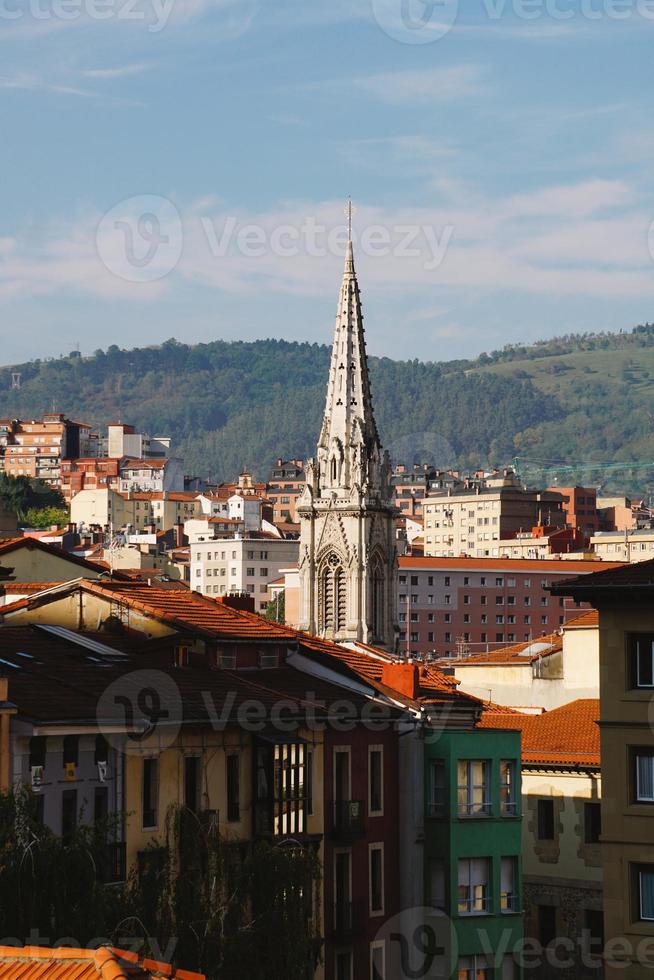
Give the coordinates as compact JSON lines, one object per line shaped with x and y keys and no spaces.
{"x":379,"y":751}
{"x":376,"y":848}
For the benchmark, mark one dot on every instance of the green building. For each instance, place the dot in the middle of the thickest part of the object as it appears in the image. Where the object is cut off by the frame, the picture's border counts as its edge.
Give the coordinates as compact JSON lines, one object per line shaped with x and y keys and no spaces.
{"x":472,"y":847}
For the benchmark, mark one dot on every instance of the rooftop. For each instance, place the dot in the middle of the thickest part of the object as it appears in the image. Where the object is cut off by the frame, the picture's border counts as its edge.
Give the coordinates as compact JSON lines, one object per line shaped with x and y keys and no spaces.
{"x":64,"y":963}
{"x":567,"y":737}
{"x":544,"y":565}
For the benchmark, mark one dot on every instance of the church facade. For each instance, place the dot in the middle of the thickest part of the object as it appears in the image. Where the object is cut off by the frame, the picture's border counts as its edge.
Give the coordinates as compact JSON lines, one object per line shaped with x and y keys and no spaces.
{"x":347,"y":535}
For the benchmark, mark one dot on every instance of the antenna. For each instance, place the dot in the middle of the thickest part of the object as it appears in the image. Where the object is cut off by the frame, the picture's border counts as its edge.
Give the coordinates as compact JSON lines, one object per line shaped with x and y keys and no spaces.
{"x":349,"y":211}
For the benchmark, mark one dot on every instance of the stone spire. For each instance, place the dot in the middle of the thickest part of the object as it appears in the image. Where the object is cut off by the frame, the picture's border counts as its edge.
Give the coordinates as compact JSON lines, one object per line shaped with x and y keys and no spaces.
{"x":349,"y":450}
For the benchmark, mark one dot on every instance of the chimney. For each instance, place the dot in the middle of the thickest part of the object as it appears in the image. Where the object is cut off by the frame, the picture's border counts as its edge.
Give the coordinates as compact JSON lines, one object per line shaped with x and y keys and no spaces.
{"x":179,"y":535}
{"x":403,"y":678}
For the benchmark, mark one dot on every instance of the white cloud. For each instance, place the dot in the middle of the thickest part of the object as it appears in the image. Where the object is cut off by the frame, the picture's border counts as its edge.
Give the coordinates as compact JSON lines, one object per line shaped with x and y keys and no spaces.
{"x":118,"y":71}
{"x":424,"y":85}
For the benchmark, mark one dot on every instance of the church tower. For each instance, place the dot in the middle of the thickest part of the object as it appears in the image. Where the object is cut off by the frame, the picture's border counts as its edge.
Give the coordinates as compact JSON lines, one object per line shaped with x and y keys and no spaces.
{"x":347,"y":532}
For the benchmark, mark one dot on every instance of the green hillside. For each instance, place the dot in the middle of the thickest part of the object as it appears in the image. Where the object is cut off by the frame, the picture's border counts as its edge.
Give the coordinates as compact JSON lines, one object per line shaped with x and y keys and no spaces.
{"x":229,"y":405}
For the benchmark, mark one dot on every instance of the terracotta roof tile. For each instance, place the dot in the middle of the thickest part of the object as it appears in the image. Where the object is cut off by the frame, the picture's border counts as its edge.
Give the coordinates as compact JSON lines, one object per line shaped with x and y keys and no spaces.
{"x":64,"y":963}
{"x":567,"y":736}
{"x":587,"y":620}
{"x":541,"y":646}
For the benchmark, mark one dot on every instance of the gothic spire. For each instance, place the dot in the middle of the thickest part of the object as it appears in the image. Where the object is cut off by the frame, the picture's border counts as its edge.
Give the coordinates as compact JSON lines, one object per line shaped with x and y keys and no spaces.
{"x":349,"y":450}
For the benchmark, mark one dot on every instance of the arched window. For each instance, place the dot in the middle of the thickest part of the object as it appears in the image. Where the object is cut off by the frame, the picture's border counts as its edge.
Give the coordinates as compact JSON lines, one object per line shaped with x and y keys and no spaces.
{"x":333,"y":596}
{"x":377,"y":600}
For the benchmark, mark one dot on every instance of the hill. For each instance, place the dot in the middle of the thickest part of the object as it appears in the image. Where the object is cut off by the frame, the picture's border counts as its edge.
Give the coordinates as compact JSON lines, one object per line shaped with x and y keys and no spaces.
{"x":229,"y":405}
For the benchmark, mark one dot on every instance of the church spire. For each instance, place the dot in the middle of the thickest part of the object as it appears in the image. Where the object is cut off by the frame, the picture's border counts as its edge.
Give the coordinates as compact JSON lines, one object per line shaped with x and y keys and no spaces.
{"x":349,"y":450}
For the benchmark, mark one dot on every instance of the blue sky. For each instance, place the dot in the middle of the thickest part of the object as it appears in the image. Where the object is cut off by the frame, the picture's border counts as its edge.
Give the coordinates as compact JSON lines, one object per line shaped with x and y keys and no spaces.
{"x":180,"y":168}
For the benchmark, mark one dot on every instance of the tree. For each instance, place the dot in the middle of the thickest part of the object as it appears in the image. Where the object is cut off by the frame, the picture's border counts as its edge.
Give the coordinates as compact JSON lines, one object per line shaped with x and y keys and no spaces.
{"x":44,"y":517}
{"x":276,"y":608}
{"x":20,"y":493}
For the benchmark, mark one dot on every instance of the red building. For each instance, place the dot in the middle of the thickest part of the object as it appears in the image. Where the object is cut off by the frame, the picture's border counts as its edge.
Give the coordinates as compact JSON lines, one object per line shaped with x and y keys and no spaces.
{"x":468,"y":605}
{"x":580,"y":508}
{"x":92,"y":473}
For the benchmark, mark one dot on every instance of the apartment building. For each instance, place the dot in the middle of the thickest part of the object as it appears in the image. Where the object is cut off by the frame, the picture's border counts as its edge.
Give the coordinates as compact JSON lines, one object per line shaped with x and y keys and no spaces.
{"x":151,"y":475}
{"x":124,"y":440}
{"x":36,"y":448}
{"x":248,"y":563}
{"x":471,"y":517}
{"x":626,"y":546}
{"x":545,"y":542}
{"x":411,"y":486}
{"x":624,"y":598}
{"x":284,"y":488}
{"x":459,"y":606}
{"x":561,"y":828}
{"x":140,"y":511}
{"x":580,"y":508}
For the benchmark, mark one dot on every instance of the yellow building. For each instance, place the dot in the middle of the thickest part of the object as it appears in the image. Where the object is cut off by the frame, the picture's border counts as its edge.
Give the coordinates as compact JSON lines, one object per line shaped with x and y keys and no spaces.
{"x":562,"y":873}
{"x":625,"y":600}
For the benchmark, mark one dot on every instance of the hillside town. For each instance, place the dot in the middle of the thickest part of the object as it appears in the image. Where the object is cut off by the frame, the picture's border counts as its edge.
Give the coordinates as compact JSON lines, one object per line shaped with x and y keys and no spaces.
{"x":363,"y":718}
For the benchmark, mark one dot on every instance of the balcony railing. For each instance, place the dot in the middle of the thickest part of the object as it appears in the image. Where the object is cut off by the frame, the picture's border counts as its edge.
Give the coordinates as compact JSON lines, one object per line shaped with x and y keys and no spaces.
{"x":348,"y":920}
{"x":348,"y":818}
{"x":477,"y":905}
{"x":111,"y":863}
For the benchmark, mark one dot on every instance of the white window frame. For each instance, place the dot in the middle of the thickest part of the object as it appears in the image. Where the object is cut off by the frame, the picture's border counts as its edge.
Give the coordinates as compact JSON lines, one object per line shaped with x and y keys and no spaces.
{"x":372,"y":848}
{"x":378,"y":945}
{"x":380,"y":749}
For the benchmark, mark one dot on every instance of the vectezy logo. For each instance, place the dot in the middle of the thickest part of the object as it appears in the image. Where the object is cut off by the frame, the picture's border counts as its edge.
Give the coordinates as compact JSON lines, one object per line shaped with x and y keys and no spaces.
{"x":140,"y":239}
{"x":415,"y":21}
{"x":140,"y":704}
{"x":420,"y":944}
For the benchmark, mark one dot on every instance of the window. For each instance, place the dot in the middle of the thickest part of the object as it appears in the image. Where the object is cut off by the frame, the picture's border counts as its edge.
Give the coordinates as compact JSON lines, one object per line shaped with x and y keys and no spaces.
{"x":473,"y":892}
{"x":71,"y":750}
{"x":508,"y":890}
{"x":192,"y":783}
{"x":414,"y":580}
{"x":592,"y":822}
{"x":100,"y":804}
{"x":375,"y":780}
{"x":377,"y":961}
{"x":508,"y":791}
{"x":643,"y":771}
{"x":437,"y":883}
{"x":447,"y":580}
{"x":546,"y":819}
{"x":150,"y":795}
{"x":376,"y":879}
{"x":309,"y":786}
{"x":466,"y":600}
{"x":233,"y":764}
{"x":643,"y":876}
{"x":546,"y":924}
{"x":402,"y":580}
{"x":249,"y":572}
{"x":499,"y":582}
{"x":344,"y":966}
{"x":473,"y":790}
{"x":68,"y":812}
{"x":474,"y":968}
{"x":641,"y":660}
{"x":436,"y":788}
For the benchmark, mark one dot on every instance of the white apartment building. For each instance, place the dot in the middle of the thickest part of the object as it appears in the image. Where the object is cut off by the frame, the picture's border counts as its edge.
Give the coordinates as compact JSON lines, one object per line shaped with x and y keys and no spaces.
{"x":473,"y":520}
{"x":632,"y":545}
{"x":241,"y":564}
{"x":124,"y":440}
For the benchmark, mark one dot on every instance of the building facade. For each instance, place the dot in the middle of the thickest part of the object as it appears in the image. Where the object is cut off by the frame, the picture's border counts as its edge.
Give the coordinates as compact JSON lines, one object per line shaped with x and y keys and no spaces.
{"x":459,"y":606}
{"x":471,"y":517}
{"x":347,"y":539}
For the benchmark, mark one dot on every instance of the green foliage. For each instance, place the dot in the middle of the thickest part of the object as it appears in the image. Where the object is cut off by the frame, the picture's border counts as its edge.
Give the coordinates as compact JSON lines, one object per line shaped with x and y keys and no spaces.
{"x":276,"y":608}
{"x":224,"y":909}
{"x":48,"y":884}
{"x":44,"y":517}
{"x":233,"y":911}
{"x":19,"y":494}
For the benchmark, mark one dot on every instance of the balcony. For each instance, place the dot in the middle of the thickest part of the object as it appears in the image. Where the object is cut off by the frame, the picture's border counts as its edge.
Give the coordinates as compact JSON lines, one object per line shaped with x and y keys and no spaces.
{"x":348,"y":819}
{"x":111,"y":863}
{"x":348,"y":921}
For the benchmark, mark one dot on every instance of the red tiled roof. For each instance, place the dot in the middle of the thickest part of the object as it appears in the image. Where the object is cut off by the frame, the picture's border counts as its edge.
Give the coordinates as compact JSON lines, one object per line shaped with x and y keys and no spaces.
{"x":567,"y":736}
{"x":545,"y":565}
{"x":7,"y":545}
{"x":64,"y":963}
{"x":587,"y":620}
{"x":514,"y":654}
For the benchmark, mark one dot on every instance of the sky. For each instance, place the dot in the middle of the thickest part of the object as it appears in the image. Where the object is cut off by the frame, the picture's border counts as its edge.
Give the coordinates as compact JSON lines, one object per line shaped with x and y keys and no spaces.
{"x":180,"y":168}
